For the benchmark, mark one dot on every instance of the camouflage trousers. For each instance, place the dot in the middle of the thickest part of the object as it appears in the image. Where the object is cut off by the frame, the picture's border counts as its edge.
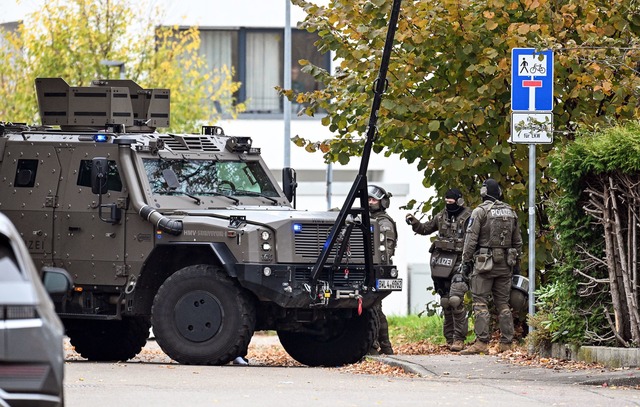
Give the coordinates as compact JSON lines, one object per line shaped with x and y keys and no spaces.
{"x":382,"y":342}
{"x":455,"y":326}
{"x":494,"y":284}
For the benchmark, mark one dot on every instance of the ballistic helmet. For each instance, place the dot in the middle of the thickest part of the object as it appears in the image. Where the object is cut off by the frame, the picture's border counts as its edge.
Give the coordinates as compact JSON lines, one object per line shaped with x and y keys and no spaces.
{"x":518,"y":299}
{"x":380,"y":194}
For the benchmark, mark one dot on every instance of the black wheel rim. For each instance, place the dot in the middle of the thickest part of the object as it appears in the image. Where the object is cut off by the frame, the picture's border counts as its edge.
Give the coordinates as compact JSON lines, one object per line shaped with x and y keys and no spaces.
{"x":198,"y":316}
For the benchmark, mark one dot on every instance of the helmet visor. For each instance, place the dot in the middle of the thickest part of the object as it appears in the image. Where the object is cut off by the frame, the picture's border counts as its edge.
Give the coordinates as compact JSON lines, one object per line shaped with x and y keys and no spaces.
{"x":375,"y":192}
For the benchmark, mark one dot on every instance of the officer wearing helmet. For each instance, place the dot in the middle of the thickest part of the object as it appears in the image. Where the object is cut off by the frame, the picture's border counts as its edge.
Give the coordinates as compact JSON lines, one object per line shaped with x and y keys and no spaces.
{"x":378,"y":204}
{"x":492,"y":248}
{"x":446,"y":256}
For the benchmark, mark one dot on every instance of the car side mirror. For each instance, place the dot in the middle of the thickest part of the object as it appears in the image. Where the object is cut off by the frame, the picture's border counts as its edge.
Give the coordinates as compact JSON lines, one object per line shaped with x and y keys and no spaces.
{"x":99,"y":175}
{"x":56,"y":280}
{"x":289,"y":184}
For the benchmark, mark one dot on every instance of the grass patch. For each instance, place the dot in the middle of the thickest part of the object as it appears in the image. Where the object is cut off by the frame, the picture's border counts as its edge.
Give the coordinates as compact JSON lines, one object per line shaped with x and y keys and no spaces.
{"x":413,"y":328}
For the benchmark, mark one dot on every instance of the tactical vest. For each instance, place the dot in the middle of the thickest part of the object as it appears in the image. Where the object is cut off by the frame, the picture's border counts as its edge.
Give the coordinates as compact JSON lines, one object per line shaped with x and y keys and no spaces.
{"x":447,"y":247}
{"x":451,"y":233}
{"x":382,"y":214}
{"x":501,"y":220}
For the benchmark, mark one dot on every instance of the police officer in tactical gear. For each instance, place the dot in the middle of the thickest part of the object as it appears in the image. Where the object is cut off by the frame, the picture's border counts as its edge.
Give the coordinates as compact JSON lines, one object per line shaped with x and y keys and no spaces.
{"x":492,"y":248}
{"x":446,"y":257}
{"x":378,"y":204}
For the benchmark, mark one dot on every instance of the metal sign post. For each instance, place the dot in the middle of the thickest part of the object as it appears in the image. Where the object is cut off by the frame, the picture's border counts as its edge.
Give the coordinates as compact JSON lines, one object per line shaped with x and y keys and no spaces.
{"x":531,"y":123}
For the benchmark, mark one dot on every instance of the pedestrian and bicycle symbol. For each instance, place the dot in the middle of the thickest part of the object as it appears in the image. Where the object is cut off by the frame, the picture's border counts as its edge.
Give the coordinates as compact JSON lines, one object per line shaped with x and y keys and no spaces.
{"x":534,"y":65}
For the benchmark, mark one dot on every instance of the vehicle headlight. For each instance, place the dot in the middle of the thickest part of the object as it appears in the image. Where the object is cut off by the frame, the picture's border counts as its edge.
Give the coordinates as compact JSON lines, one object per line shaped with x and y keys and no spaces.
{"x":383,"y":248}
{"x":394,"y":272}
{"x":266,"y":246}
{"x":266,"y":271}
{"x":265,"y":235}
{"x":382,"y":237}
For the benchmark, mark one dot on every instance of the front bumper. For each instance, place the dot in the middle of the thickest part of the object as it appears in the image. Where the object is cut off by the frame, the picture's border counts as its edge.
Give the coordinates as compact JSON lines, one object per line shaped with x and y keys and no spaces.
{"x":287,"y":285}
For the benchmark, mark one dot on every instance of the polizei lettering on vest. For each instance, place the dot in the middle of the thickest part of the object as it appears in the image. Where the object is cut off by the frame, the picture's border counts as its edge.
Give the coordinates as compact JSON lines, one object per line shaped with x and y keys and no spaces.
{"x":501,"y":212}
{"x":443,"y":261}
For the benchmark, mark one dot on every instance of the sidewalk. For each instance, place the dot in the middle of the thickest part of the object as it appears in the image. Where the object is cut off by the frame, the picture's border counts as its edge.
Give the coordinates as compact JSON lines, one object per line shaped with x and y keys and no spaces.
{"x":470,"y":367}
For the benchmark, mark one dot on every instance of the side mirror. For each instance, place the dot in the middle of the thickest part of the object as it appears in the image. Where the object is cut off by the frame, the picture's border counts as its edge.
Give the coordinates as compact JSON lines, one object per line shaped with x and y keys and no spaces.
{"x":99,"y":186}
{"x":99,"y":175}
{"x":289,"y":184}
{"x":56,"y":280}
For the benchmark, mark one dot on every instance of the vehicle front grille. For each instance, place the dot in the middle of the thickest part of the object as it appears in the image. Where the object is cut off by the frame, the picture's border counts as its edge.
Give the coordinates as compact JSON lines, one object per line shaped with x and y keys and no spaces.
{"x":312,"y":237}
{"x":343,"y":277}
{"x":25,"y":377}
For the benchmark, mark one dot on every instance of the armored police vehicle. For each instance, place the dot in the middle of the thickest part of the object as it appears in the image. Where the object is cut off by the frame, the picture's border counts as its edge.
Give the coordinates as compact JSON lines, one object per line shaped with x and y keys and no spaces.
{"x":188,"y":233}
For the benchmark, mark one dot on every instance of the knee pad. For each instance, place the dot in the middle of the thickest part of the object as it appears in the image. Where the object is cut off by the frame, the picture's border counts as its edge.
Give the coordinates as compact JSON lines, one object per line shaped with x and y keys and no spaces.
{"x":503,"y":309}
{"x":445,"y":302}
{"x":455,"y":301}
{"x":480,"y":308}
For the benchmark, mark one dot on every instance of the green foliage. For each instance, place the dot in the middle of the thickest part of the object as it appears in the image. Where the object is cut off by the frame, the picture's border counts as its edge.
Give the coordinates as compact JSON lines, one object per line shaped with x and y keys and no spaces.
{"x":447,"y":107}
{"x":574,"y":307}
{"x":69,"y":39}
{"x":557,"y":319}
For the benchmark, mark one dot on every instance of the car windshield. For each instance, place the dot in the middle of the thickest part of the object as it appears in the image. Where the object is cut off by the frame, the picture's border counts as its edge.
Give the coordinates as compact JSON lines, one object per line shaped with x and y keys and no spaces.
{"x":206,"y":177}
{"x":9,"y":270}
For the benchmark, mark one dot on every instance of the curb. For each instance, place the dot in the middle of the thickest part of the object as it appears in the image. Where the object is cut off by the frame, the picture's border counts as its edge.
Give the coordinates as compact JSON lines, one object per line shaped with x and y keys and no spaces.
{"x":608,"y":356}
{"x":407,"y":366}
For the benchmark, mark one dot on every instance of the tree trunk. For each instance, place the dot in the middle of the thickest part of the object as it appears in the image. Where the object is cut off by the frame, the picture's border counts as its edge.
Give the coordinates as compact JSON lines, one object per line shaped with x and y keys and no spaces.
{"x":610,"y":251}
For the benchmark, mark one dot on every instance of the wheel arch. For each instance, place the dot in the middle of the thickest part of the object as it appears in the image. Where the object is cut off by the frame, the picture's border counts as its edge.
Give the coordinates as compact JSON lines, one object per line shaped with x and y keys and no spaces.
{"x":166,"y":259}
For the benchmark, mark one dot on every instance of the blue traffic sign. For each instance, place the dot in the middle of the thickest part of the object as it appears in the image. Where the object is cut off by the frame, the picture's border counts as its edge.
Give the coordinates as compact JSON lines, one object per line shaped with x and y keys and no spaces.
{"x":531,"y":80}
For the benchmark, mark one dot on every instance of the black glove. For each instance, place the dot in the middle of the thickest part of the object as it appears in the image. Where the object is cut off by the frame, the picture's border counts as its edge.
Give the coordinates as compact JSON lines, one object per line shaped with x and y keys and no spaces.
{"x":411,"y":220}
{"x":466,"y":269}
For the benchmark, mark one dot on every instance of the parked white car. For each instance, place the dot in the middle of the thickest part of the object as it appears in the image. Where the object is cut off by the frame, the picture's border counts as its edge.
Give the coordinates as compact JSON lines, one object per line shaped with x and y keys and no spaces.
{"x":31,"y":334}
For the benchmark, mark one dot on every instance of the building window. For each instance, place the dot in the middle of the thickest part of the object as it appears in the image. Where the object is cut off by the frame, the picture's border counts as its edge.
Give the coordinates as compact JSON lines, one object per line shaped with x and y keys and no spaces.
{"x":257,"y":58}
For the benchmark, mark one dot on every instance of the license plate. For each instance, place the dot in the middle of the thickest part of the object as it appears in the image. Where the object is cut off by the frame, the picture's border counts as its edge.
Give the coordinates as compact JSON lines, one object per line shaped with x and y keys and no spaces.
{"x":389,"y":284}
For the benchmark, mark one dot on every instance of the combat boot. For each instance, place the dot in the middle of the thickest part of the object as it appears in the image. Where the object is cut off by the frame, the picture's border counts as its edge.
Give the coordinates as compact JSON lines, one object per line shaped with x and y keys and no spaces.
{"x":386,"y":349}
{"x":503,"y":347}
{"x":478,"y":347}
{"x":456,"y":346}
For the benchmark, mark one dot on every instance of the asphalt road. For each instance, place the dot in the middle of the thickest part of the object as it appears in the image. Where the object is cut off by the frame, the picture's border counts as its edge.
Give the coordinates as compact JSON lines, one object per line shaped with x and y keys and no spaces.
{"x":155,"y":381}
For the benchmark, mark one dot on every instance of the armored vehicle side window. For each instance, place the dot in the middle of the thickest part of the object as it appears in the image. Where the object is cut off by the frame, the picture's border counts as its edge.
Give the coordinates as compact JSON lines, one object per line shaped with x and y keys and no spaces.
{"x":26,"y":173}
{"x":84,"y":176}
{"x":205,"y":176}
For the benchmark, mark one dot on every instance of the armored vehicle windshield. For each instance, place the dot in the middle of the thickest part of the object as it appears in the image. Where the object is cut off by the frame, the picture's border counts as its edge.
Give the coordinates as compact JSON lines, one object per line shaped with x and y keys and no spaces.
{"x":207,"y":177}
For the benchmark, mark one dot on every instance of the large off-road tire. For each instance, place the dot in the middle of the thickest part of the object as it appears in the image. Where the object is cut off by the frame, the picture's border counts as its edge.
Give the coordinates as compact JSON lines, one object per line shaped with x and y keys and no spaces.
{"x":108,"y":340}
{"x":200,"y":316}
{"x":341,"y":341}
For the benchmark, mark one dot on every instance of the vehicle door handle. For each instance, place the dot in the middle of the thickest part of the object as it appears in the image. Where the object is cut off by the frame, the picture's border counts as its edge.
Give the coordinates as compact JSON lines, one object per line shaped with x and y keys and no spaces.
{"x":73,"y":228}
